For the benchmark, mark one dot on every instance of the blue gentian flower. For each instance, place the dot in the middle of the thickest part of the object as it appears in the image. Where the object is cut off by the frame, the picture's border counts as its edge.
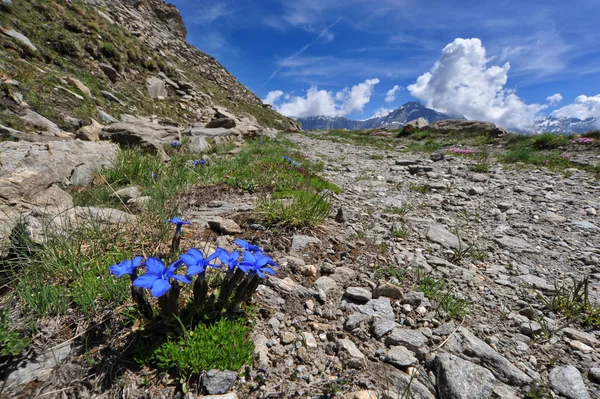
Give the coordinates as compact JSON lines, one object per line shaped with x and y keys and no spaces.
{"x":179,"y":223}
{"x":228,"y":258}
{"x":176,"y":143}
{"x":199,"y":162}
{"x":196,"y":262}
{"x":247,"y":246}
{"x":256,"y":264}
{"x":158,"y":277}
{"x":126,"y":267}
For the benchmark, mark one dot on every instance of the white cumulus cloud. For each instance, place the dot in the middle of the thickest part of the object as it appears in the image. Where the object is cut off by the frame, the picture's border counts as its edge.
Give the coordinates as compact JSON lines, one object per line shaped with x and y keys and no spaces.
{"x":326,"y":103}
{"x":462,"y":84}
{"x":584,"y":107}
{"x":554,"y":99}
{"x":382,"y":112}
{"x":391,"y":94}
{"x":272,"y":97}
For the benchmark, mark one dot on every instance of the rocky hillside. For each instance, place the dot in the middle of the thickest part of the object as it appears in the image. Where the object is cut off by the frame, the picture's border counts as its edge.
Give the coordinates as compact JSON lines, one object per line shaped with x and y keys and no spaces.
{"x":63,"y":65}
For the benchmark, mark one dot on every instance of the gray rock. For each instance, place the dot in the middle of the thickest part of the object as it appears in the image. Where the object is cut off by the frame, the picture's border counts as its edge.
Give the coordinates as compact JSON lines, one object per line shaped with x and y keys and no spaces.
{"x":382,"y":327}
{"x":76,"y":83}
{"x":40,"y":369}
{"x":534,"y":281}
{"x":437,"y":156}
{"x":290,"y":287}
{"x":460,"y":125}
{"x":463,"y":342}
{"x":111,"y":96}
{"x":299,"y":242}
{"x":585,"y":225}
{"x":225,"y":226}
{"x":407,"y":162}
{"x":83,"y":175}
{"x":476,"y":191}
{"x":198,"y":145}
{"x":110,"y":72}
{"x":326,"y":284}
{"x":156,"y":88}
{"x":230,"y":395}
{"x":141,"y":132}
{"x":349,"y":354}
{"x":567,"y":381}
{"x":90,"y":132}
{"x":399,"y":356}
{"x":582,"y":336}
{"x":226,"y":123}
{"x":438,"y":234}
{"x":530,"y":328}
{"x":37,"y":120}
{"x":354,"y":320}
{"x":105,"y":117}
{"x":594,"y":374}
{"x":140,"y":203}
{"x":411,"y":339}
{"x":413,"y":298}
{"x":516,"y":244}
{"x":19,"y":37}
{"x":459,"y":379}
{"x":218,"y":382}
{"x":359,"y":294}
{"x":387,"y":290}
{"x":127,"y":193}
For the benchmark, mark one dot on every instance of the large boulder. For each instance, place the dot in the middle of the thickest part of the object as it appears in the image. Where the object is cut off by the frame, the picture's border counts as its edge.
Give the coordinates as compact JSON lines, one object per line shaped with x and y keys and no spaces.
{"x":212,"y":136}
{"x":414,"y":125}
{"x":140,"y":132}
{"x":461,"y":125}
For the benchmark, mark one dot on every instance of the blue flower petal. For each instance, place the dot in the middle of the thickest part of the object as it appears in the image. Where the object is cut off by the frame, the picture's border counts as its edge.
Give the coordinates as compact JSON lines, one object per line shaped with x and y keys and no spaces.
{"x":145,"y":281}
{"x":118,"y":270}
{"x":137,"y":261}
{"x":196,"y":269}
{"x":198,"y":255}
{"x":245,"y":268}
{"x":160,"y":288}
{"x":268,"y":270}
{"x":188,"y":260}
{"x":155,"y":266}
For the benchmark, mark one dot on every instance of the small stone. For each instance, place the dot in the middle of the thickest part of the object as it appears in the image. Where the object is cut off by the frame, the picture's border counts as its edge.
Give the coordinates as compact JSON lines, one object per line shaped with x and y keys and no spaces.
{"x":411,"y":339}
{"x":460,"y":379}
{"x":382,"y":327}
{"x":354,"y":320}
{"x":218,"y":382}
{"x":476,"y":191}
{"x":287,"y":338}
{"x":361,"y":395}
{"x":388,"y":290}
{"x":225,"y":226}
{"x":567,"y":381}
{"x":110,"y":72}
{"x":299,"y":242}
{"x":595,"y":374}
{"x":530,"y":328}
{"x":326,"y":284}
{"x":309,"y":270}
{"x":399,"y":356}
{"x":127,"y":193}
{"x":582,"y":336}
{"x":349,"y":354}
{"x":309,"y":340}
{"x":413,"y":298}
{"x":437,"y":156}
{"x":339,"y":216}
{"x":359,"y":294}
{"x":580,"y":346}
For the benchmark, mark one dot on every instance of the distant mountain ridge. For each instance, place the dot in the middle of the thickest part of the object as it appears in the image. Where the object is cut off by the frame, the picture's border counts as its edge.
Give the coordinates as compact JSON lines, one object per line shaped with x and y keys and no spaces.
{"x":395,"y":119}
{"x":551,"y":124}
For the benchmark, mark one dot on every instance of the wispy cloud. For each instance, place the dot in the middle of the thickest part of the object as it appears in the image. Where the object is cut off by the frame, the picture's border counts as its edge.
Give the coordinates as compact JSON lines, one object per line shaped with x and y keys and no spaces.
{"x":291,"y":58}
{"x":211,"y":13}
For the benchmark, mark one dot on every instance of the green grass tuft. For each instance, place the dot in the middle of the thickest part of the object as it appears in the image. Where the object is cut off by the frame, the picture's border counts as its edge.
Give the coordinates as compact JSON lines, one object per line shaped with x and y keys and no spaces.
{"x":224,"y":345}
{"x":436,"y":290}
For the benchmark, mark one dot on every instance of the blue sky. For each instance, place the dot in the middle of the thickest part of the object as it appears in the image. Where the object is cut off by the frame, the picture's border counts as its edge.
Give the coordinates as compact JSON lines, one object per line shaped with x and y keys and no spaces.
{"x":342,"y":57}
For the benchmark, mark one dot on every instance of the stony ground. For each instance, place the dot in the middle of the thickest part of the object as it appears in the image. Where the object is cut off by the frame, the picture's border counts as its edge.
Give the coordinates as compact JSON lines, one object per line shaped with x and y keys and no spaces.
{"x":345,"y":316}
{"x":428,"y":281}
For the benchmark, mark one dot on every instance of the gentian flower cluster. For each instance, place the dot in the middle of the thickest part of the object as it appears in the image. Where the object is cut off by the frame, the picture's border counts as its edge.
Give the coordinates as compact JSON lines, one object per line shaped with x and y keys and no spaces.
{"x":456,"y":150}
{"x":290,"y":160}
{"x":582,"y":140}
{"x":243,"y":273}
{"x":199,"y":162}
